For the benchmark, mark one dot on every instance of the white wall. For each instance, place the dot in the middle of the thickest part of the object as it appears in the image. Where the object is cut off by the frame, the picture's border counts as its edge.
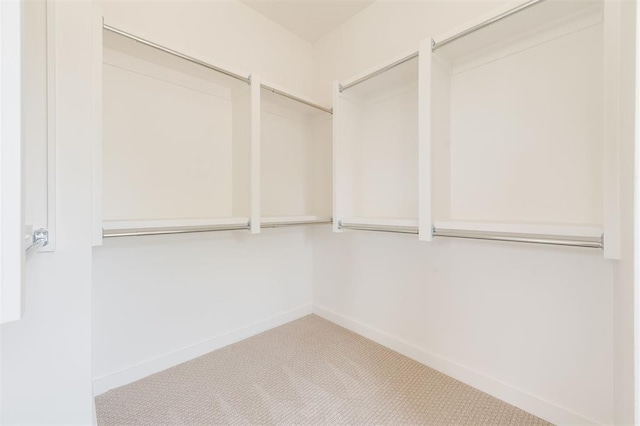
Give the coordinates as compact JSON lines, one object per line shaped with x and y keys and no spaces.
{"x":160,"y":300}
{"x":302,"y":135}
{"x":528,"y":320}
{"x":533,"y":325}
{"x":46,"y":356}
{"x":139,"y":156}
{"x":539,"y":179}
{"x":156,"y":296}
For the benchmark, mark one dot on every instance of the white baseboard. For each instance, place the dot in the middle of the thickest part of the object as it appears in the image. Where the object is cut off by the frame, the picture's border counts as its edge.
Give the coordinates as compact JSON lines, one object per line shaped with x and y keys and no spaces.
{"x":530,"y":403}
{"x":139,"y":371}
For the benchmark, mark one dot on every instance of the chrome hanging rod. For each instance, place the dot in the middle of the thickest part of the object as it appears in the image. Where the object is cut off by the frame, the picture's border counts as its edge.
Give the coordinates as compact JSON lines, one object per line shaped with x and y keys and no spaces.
{"x":109,"y":233}
{"x":39,"y":240}
{"x":297,"y":223}
{"x":380,"y":228}
{"x":378,"y":72}
{"x":175,"y":53}
{"x":297,"y":99}
{"x":435,"y":46}
{"x":556,"y":240}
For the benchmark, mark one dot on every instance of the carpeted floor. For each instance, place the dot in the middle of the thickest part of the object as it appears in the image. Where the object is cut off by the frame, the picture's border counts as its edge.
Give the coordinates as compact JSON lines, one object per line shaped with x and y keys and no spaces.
{"x":307,"y":372}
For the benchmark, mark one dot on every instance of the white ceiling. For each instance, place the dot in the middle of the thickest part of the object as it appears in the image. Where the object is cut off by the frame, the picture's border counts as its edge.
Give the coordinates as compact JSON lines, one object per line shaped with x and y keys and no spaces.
{"x":310,"y":19}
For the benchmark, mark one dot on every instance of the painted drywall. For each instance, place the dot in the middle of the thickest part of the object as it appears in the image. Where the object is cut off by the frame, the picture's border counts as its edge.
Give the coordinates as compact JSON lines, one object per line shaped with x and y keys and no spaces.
{"x":156,"y":296}
{"x":46,"y":355}
{"x":535,"y":319}
{"x":494,"y":179}
{"x":160,"y":161}
{"x":301,"y":134}
{"x":535,"y":323}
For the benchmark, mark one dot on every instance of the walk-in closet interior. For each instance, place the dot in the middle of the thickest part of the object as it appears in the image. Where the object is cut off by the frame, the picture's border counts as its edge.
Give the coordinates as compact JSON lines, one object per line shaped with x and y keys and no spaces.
{"x":318,"y":212}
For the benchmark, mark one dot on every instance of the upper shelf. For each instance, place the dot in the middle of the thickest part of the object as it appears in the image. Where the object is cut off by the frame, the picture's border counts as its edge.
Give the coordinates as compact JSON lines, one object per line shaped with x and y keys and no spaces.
{"x":538,"y":18}
{"x":396,"y":75}
{"x":292,"y":102}
{"x":121,"y":41}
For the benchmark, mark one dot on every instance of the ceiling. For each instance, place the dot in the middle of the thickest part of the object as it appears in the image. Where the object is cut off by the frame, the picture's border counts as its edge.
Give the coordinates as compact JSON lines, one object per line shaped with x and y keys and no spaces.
{"x":309,"y":19}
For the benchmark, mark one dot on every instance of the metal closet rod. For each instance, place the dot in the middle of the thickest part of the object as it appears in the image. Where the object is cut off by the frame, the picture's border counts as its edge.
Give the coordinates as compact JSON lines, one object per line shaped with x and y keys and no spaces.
{"x":176,"y":53}
{"x":138,"y":232}
{"x":297,"y":99}
{"x":587,"y":242}
{"x":298,"y":223}
{"x":378,"y":72}
{"x":109,"y":233}
{"x":435,"y":46}
{"x":380,"y":228}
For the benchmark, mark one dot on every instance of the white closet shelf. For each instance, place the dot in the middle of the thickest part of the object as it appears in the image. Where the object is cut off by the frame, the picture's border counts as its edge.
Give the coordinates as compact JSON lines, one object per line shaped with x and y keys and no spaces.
{"x":288,"y":99}
{"x":380,"y":70}
{"x":585,"y":231}
{"x":529,"y":18}
{"x":188,"y":63}
{"x":168,"y":227}
{"x":109,"y":225}
{"x":383,"y":221}
{"x":383,"y":82}
{"x":278,"y":221}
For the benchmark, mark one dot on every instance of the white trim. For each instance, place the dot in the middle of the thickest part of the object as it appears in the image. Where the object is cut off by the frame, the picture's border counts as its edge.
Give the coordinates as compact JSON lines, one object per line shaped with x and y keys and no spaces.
{"x":519,"y":398}
{"x":336,"y":184}
{"x":256,"y":159}
{"x":425,"y":185}
{"x":611,"y":148}
{"x":636,"y":226}
{"x":11,"y":163}
{"x":51,"y":127}
{"x":96,"y":143}
{"x":128,"y":375}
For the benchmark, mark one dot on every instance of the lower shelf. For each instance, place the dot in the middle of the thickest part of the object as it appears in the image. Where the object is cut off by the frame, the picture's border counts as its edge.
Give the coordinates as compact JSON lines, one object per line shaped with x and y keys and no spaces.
{"x":177,"y":226}
{"x":398,"y":225}
{"x":282,"y":221}
{"x":564,"y":235}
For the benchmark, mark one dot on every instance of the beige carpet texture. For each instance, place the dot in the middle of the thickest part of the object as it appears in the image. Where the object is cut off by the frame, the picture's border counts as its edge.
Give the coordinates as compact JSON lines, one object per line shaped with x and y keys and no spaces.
{"x":307,"y":372}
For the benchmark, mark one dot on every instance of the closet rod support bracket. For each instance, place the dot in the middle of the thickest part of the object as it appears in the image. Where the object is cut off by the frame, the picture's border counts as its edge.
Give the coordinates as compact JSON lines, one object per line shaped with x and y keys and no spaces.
{"x":39,"y":239}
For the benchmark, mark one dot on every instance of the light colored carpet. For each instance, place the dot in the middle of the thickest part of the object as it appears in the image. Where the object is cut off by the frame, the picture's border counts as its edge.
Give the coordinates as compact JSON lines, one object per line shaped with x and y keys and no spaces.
{"x":307,"y":372}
